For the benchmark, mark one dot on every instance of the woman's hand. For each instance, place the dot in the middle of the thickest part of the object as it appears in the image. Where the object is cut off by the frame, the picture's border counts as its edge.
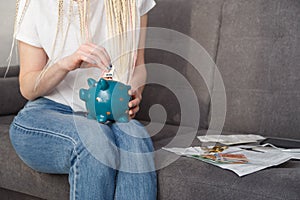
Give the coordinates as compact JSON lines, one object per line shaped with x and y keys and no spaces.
{"x":134,"y":104}
{"x":86,"y":56}
{"x":34,"y":59}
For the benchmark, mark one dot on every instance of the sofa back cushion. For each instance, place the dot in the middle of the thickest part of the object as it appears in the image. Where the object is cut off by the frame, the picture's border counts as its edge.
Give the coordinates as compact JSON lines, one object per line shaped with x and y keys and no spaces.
{"x":11,"y":101}
{"x":200,"y":21}
{"x":259,"y":59}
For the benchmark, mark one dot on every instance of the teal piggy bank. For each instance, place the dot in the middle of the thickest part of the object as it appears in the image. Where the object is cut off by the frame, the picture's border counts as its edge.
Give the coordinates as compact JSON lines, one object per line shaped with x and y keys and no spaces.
{"x":106,"y":100}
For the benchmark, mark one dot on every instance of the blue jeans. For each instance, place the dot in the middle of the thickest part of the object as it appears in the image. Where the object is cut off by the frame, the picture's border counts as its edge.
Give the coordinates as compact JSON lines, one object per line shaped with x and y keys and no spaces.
{"x":50,"y":138}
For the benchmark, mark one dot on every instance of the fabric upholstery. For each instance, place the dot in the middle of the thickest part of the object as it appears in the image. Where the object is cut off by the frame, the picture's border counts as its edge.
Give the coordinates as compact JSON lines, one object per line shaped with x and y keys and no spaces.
{"x":12,"y":72}
{"x":199,"y":20}
{"x":256,"y":46}
{"x":15,"y":175}
{"x":188,"y":179}
{"x":258,"y":57}
{"x":52,"y":187}
{"x":8,"y":194}
{"x":10,"y":99}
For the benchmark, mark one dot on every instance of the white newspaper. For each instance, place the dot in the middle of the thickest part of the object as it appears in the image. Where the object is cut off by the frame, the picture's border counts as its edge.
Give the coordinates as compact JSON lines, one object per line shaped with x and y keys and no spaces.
{"x":231,"y":139}
{"x":258,"y":159}
{"x":295,"y":153}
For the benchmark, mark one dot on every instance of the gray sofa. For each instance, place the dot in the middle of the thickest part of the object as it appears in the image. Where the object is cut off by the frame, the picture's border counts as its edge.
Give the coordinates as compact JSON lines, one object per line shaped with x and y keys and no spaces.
{"x":256,"y":45}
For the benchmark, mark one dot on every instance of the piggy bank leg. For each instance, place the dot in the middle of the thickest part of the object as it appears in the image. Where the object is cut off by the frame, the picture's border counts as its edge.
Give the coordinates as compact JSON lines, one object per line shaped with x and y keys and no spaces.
{"x":123,"y":119}
{"x":89,"y":116}
{"x":101,"y":118}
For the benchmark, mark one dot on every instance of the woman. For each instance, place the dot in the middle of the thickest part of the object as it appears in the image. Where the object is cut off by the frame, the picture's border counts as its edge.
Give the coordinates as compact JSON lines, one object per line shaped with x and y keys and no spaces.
{"x":61,"y":44}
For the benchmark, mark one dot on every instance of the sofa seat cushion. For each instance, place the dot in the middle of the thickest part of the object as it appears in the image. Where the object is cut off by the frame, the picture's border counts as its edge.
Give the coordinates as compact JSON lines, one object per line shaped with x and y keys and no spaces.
{"x":187,"y":178}
{"x":11,"y":100}
{"x":190,"y":179}
{"x":16,"y":176}
{"x":5,"y":121}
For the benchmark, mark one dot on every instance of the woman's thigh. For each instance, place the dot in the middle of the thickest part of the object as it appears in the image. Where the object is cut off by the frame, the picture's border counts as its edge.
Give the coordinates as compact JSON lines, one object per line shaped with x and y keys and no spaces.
{"x":47,"y":136}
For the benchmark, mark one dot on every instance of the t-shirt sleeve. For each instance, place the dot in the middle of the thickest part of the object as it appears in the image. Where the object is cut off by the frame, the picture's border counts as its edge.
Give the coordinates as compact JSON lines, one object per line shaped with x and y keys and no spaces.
{"x":27,"y":29}
{"x":145,"y":6}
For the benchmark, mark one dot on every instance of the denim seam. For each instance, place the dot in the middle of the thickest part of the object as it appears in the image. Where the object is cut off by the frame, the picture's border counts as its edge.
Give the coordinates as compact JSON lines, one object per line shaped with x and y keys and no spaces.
{"x":59,"y":109}
{"x":75,"y":194}
{"x":51,"y":103}
{"x":63,"y":111}
{"x":47,"y":132}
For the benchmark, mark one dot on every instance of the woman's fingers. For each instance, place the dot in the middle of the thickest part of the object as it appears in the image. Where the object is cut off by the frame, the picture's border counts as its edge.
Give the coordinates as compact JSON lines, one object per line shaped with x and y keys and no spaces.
{"x":94,"y":55}
{"x":131,"y":92}
{"x":134,"y":104}
{"x":101,"y":51}
{"x":92,"y":60}
{"x":133,"y":112}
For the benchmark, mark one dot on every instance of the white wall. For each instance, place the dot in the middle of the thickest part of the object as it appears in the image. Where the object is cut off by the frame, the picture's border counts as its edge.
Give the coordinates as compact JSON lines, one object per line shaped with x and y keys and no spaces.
{"x":7,"y":15}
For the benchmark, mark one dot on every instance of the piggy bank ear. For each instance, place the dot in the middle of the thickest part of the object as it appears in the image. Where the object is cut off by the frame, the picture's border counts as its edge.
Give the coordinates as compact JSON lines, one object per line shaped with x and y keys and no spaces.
{"x":103,"y":84}
{"x":91,"y":82}
{"x":83,"y":94}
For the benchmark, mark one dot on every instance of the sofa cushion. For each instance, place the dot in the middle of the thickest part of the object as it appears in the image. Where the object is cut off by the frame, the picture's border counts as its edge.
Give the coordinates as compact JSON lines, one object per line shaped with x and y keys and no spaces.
{"x":258,"y":58}
{"x":200,"y":20}
{"x":187,"y":178}
{"x":12,"y":72}
{"x":16,"y":176}
{"x":190,"y":179}
{"x":11,"y":101}
{"x":8,"y":194}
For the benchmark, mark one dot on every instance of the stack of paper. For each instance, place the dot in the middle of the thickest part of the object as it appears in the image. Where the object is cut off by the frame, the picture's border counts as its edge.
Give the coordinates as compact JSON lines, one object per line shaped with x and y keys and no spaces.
{"x":257,"y":160}
{"x":231,"y":139}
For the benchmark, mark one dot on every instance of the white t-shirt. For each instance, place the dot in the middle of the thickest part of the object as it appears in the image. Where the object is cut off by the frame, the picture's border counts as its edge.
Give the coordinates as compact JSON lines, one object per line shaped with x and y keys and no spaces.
{"x":38,"y":28}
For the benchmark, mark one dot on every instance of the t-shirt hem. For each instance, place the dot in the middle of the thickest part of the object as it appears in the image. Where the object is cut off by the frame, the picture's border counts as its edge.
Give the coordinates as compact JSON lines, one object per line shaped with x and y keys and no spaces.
{"x":29,"y":41}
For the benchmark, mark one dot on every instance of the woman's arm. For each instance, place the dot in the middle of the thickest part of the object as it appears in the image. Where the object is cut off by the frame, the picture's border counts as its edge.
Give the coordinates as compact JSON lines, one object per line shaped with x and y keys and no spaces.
{"x":33,"y":60}
{"x":140,"y":74}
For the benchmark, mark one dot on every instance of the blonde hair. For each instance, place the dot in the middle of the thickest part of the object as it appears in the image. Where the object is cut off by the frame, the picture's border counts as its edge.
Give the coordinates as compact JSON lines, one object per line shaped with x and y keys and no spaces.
{"x":122,"y":23}
{"x":16,"y":26}
{"x":121,"y":18}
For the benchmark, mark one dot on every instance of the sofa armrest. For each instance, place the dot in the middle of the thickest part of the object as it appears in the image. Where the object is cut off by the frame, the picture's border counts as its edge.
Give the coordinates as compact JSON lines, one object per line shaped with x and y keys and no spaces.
{"x":11,"y":100}
{"x":12,"y":72}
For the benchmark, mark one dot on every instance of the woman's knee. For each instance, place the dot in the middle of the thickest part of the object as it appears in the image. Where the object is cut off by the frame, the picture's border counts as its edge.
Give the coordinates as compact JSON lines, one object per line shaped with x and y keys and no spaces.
{"x":132,"y":128}
{"x":97,"y":140}
{"x":132,"y":136}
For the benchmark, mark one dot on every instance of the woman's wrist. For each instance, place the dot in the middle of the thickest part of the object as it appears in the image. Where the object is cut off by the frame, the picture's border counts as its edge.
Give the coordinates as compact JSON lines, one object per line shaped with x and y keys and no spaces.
{"x":66,"y":64}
